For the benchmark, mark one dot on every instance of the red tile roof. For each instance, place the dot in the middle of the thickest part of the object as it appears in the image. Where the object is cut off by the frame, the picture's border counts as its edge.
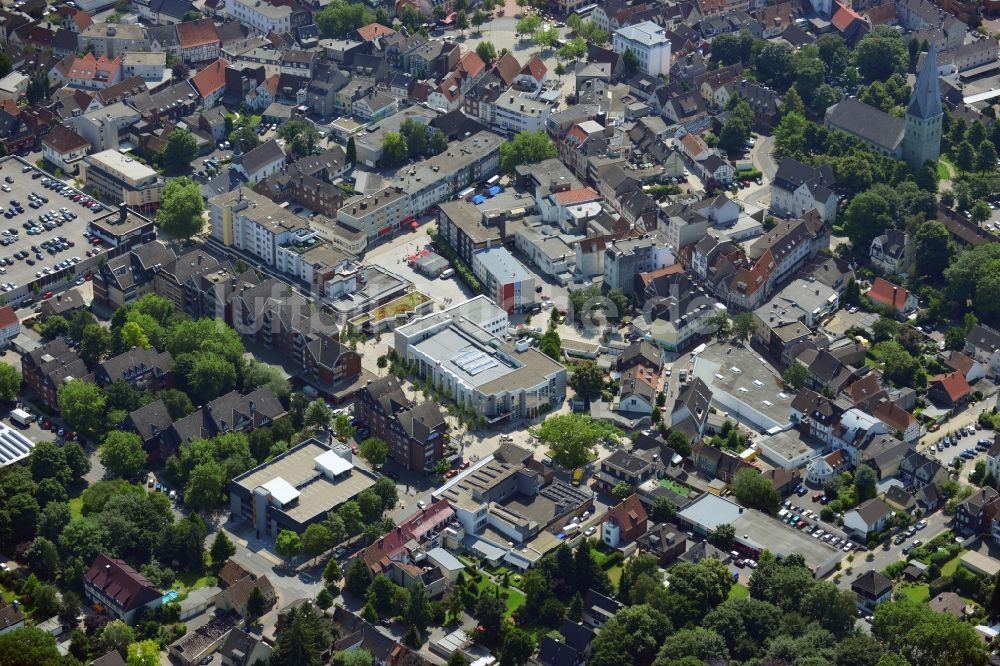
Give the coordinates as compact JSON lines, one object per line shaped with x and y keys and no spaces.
{"x":377,"y":555}
{"x":507,"y":68}
{"x":959,"y":361}
{"x":535,"y":68}
{"x":210,"y":79}
{"x":887,"y":293}
{"x":844,"y":17}
{"x":572,"y":197}
{"x":89,"y":68}
{"x":629,"y":515}
{"x":472,"y":64}
{"x":373,"y":30}
{"x":880,"y":14}
{"x":694,"y":144}
{"x":82,"y":19}
{"x":8,"y":317}
{"x":191,"y":34}
{"x":954,"y":384}
{"x":120,"y":582}
{"x":63,"y":139}
{"x":893,"y":415}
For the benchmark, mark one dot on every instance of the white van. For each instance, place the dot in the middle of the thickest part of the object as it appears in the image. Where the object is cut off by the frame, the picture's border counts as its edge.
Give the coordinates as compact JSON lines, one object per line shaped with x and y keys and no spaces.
{"x":20,"y":416}
{"x":447,"y":273}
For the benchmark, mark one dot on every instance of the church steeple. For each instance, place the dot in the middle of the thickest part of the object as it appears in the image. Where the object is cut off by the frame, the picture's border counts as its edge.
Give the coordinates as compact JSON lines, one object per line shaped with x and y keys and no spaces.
{"x":925,"y":103}
{"x":924,"y":116}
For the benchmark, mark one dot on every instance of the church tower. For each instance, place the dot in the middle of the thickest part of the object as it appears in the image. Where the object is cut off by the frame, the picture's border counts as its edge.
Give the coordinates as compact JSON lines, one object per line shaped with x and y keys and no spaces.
{"x":922,"y":140}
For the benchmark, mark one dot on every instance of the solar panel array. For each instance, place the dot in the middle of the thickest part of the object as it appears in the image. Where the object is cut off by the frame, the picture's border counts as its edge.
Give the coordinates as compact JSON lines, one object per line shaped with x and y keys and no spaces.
{"x":13,"y":446}
{"x":475,"y":361}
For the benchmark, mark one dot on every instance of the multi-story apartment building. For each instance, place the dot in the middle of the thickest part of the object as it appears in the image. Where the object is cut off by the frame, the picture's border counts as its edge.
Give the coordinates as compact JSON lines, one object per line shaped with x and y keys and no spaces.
{"x":149,"y":66}
{"x":435,"y":179}
{"x":648,"y":42}
{"x":252,"y":223}
{"x":504,"y":279}
{"x":378,"y":214}
{"x":414,"y":432}
{"x":625,"y":259}
{"x":261,"y":16}
{"x":64,"y":148}
{"x":106,"y":128}
{"x":112,"y":39}
{"x":118,"y":179}
{"x":517,"y":112}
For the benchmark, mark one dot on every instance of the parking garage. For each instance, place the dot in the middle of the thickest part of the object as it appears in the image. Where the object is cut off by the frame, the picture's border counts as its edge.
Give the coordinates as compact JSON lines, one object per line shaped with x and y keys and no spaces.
{"x":45,"y":244}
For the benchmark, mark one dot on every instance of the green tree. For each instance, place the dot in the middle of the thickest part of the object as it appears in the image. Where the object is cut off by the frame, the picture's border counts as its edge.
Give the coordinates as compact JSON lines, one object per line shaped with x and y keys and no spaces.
{"x":486,"y":52}
{"x":181,"y":149}
{"x":324,"y":599}
{"x":572,"y":439}
{"x":352,"y":151}
{"x":316,"y":540}
{"x":394,"y":149}
{"x":526,"y":148}
{"x":864,"y":483}
{"x":774,"y":65}
{"x":720,"y":324}
{"x":722,"y":537}
{"x":133,"y":336}
{"x":287,"y":543}
{"x":631,"y":637}
{"x":122,"y":454}
{"x":332,"y":575}
{"x":256,"y":605}
{"x":932,"y":249}
{"x":181,"y":208}
{"x":587,"y":379}
{"x":10,"y":382}
{"x":143,"y":653}
{"x":753,"y":490}
{"x":358,"y":579}
{"x":340,"y":17}
{"x":210,"y":377}
{"x":116,"y":635}
{"x":663,"y":510}
{"x":924,"y":637}
{"x":489,"y":614}
{"x":696,"y":642}
{"x":796,"y":375}
{"x":203,"y":491}
{"x":573,"y":49}
{"x":82,"y":405}
{"x":317,"y":416}
{"x":528,"y":25}
{"x":630,"y":63}
{"x":834,"y":609}
{"x":965,"y":156}
{"x":517,"y":647}
{"x":622,"y":490}
{"x":744,"y":326}
{"x":222,"y":549}
{"x":867,"y":216}
{"x":880,"y":54}
{"x":306,"y":635}
{"x":980,"y":212}
{"x":43,"y":558}
{"x":95,"y":344}
{"x":374,"y":450}
{"x":551,"y":344}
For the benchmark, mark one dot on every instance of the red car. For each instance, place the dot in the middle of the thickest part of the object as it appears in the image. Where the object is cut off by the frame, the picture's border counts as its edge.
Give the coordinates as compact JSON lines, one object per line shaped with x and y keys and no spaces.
{"x":89,"y":277}
{"x":46,"y":424}
{"x":47,"y":295}
{"x":464,"y":465}
{"x":450,"y":473}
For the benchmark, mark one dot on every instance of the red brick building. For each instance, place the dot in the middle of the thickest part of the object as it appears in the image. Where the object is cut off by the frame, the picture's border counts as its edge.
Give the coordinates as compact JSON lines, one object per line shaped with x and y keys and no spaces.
{"x":414,"y":433}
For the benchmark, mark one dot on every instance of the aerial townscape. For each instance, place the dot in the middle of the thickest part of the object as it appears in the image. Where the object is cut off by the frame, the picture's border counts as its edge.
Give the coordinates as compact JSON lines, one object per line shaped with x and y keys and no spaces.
{"x":500,"y":332}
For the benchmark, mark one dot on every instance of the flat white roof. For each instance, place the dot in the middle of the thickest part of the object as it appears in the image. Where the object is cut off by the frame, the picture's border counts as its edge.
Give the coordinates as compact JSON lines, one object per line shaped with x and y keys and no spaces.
{"x":13,"y":446}
{"x":280,"y":490}
{"x":329,"y":461}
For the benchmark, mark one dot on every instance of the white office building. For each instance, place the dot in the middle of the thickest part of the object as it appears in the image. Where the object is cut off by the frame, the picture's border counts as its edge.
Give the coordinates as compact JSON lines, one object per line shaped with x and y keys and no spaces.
{"x":649,"y":43}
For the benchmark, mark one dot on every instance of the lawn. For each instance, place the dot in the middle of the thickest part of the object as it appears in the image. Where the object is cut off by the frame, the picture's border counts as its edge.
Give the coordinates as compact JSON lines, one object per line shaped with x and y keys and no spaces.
{"x":615,"y":574}
{"x":515,"y":599}
{"x":949,"y":567}
{"x":738,"y":591}
{"x":943,"y":172}
{"x":917,"y":593}
{"x":190,"y":581}
{"x":76,"y":507}
{"x":674,"y":487}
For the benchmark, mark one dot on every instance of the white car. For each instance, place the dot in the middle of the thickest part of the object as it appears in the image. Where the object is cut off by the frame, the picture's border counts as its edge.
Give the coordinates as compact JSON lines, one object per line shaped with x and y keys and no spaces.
{"x":589,"y":531}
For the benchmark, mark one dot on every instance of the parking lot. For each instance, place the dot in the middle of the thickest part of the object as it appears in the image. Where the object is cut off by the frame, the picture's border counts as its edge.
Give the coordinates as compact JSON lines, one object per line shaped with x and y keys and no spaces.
{"x":976,"y":443}
{"x":45,"y":243}
{"x":393,"y":255}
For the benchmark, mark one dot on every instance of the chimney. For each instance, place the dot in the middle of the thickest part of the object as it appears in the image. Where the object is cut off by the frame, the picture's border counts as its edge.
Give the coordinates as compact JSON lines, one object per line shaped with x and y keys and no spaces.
{"x":122,"y":212}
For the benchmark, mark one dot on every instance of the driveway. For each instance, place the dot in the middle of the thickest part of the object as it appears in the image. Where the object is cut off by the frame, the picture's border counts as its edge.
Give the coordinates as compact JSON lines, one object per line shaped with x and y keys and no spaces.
{"x":762,"y":158}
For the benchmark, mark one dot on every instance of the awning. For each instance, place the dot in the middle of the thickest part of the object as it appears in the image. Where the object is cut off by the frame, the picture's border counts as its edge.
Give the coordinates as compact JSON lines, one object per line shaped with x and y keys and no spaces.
{"x":414,"y":226}
{"x":384,"y":230}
